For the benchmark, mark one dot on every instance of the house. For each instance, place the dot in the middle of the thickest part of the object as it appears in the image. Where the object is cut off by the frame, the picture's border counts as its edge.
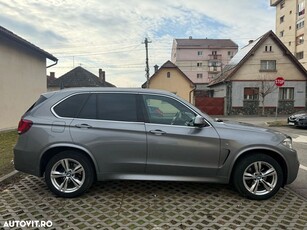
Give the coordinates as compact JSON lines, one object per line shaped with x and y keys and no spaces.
{"x":290,"y":26}
{"x":169,"y":77}
{"x":22,"y":76}
{"x":253,"y":70}
{"x":77,"y":77}
{"x":202,"y":59}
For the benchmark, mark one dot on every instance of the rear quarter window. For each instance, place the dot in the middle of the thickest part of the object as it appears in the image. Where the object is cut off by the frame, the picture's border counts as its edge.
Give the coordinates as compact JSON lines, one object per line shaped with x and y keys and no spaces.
{"x":71,"y":106}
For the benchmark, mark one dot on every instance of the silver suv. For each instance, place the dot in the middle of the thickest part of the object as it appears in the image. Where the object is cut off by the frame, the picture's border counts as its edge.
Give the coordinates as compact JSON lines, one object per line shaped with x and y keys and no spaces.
{"x":76,"y":136}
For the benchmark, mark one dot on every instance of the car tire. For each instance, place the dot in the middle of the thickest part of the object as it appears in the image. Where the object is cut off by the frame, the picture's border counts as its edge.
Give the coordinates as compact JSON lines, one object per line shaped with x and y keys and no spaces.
{"x":258,"y":176}
{"x":69,"y":174}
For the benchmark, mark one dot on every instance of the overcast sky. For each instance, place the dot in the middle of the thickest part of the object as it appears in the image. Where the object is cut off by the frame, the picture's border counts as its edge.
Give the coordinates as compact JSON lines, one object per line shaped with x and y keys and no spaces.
{"x":109,"y":34}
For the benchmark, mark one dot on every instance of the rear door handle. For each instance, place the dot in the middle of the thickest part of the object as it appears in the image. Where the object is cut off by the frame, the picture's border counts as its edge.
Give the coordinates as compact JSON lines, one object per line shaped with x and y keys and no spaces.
{"x":157,"y":132}
{"x":83,"y":126}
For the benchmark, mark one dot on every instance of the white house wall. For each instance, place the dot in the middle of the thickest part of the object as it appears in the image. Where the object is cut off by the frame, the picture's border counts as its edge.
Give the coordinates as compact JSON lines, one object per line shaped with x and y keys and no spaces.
{"x":22,"y":80}
{"x":271,"y":99}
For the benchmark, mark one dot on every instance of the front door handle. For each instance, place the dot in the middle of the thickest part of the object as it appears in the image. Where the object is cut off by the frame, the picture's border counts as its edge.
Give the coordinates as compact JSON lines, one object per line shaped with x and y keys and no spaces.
{"x":83,"y":126}
{"x":157,"y":132}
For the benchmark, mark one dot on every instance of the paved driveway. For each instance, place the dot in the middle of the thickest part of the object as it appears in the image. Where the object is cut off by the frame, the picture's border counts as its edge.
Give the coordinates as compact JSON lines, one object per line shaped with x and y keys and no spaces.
{"x":151,"y":205}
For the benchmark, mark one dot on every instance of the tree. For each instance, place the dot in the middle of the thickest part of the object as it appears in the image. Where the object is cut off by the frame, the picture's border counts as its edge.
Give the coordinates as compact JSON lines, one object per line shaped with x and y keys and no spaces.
{"x":267,"y":86}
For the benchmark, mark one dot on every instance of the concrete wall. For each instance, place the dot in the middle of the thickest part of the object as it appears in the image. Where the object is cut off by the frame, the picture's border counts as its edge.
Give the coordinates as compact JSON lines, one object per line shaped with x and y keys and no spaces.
{"x":187,"y":59}
{"x":176,"y":83}
{"x":291,"y":17}
{"x":22,"y":80}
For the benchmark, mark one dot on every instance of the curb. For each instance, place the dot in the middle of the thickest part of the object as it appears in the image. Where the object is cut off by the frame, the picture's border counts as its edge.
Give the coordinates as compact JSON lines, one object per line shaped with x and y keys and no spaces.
{"x":7,"y":176}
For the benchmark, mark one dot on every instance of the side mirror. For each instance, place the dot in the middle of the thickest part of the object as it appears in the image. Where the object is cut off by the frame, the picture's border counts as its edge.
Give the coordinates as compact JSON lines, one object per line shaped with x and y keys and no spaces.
{"x":199,"y":121}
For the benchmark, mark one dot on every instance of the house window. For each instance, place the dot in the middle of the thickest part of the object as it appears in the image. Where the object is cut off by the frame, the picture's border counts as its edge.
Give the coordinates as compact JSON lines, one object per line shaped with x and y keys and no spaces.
{"x":300,"y":24}
{"x":267,"y":65}
{"x":251,"y":93}
{"x":286,"y":93}
{"x":199,"y":75}
{"x":300,"y":39}
{"x":301,"y":8}
{"x":282,"y":4}
{"x":200,"y":53}
{"x":282,"y":19}
{"x":168,"y":75}
{"x":214,"y":52}
{"x":289,"y":43}
{"x":300,"y":55}
{"x":290,"y":27}
{"x":268,"y":48}
{"x":281,"y":33}
{"x":199,"y":64}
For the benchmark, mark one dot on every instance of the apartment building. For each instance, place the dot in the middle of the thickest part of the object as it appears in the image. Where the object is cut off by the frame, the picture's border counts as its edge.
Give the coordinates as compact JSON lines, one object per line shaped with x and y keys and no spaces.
{"x":202,"y":59}
{"x":290,"y":26}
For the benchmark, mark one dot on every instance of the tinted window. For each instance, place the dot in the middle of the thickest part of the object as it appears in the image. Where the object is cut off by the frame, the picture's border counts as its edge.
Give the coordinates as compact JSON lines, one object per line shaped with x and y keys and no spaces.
{"x":40,"y":100}
{"x":71,"y":106}
{"x":89,"y":110}
{"x":117,"y":107}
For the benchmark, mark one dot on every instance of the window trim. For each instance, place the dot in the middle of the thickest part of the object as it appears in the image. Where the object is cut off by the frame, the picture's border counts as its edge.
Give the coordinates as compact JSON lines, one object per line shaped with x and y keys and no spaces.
{"x":268,"y":70}
{"x":140,"y":112}
{"x":174,"y":98}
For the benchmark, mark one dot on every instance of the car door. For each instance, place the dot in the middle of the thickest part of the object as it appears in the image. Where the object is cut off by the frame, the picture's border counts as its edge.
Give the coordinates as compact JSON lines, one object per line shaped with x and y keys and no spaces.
{"x":110,"y":127}
{"x":175,"y":146}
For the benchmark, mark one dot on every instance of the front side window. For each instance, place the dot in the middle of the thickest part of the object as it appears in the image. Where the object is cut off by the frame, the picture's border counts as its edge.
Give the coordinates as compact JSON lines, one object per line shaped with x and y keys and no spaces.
{"x":200,"y":53}
{"x":286,"y":93}
{"x":167,"y":111}
{"x":267,"y":65}
{"x":251,"y":93}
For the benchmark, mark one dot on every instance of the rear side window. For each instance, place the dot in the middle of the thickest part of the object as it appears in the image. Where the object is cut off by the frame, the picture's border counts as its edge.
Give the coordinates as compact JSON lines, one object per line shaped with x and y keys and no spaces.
{"x":110,"y":106}
{"x":71,"y":106}
{"x":117,"y":107}
{"x":40,"y":100}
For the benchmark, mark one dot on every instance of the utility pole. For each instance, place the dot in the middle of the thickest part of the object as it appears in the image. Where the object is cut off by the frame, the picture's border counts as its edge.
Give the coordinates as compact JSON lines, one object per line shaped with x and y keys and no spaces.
{"x":147,"y":65}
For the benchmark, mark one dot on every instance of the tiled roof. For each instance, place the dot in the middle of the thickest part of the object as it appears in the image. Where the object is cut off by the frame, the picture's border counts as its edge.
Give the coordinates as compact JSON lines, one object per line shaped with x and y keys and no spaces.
{"x":78,"y":77}
{"x":205,"y":43}
{"x":13,"y":37}
{"x":242,"y":56}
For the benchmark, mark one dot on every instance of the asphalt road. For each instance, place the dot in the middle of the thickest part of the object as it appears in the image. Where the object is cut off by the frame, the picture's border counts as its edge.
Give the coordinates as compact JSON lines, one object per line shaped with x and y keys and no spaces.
{"x":299,"y":137}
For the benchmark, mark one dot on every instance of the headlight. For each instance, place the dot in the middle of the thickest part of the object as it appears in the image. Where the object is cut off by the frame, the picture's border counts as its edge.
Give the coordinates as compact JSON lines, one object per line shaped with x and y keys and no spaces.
{"x":288,"y":142}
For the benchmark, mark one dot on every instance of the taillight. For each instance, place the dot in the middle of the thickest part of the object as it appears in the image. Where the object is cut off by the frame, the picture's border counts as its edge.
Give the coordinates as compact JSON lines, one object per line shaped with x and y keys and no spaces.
{"x":24,"y":125}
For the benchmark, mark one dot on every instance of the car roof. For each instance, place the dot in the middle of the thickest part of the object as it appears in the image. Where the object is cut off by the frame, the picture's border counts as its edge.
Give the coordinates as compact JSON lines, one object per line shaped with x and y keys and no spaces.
{"x":111,"y":89}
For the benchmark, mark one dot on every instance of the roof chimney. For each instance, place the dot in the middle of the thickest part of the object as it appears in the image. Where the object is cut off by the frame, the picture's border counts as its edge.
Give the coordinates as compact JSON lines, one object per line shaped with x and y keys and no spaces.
{"x":156,"y":68}
{"x":250,"y":41}
{"x":52,"y":75}
{"x":102,"y":76}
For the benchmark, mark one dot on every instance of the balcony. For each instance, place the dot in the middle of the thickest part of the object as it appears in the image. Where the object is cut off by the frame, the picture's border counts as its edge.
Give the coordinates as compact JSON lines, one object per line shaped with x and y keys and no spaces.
{"x":215,"y":57}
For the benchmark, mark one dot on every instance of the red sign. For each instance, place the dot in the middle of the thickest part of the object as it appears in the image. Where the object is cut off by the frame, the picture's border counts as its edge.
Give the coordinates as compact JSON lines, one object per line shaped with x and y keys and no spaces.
{"x":279,"y":81}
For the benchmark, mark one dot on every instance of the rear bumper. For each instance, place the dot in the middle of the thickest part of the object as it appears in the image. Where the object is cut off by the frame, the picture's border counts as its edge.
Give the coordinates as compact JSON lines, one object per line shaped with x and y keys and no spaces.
{"x":23,"y":162}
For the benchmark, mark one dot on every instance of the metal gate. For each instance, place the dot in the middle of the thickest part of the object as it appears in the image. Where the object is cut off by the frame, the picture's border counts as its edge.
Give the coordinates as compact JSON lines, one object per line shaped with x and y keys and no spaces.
{"x":210,"y":105}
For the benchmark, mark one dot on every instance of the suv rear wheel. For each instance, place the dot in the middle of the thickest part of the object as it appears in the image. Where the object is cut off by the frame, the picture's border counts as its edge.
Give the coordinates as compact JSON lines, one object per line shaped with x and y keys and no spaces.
{"x":258,"y":176}
{"x":69,"y":174}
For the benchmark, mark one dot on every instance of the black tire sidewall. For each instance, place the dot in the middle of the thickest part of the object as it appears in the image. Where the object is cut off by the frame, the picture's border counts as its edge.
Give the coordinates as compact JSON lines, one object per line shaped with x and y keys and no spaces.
{"x":241,"y":167}
{"x":83,"y":160}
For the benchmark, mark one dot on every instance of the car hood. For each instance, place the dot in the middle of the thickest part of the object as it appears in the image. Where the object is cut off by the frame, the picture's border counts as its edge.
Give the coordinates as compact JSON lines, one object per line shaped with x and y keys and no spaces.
{"x":299,"y":114}
{"x":248,"y":133}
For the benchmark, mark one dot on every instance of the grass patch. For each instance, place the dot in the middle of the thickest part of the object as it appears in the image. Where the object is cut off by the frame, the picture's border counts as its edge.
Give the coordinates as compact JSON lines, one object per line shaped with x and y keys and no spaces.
{"x":277,"y":123}
{"x":7,"y":142}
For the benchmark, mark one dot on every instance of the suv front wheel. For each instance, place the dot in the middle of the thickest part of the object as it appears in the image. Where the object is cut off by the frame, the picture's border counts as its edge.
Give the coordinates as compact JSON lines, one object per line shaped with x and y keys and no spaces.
{"x":69,"y":174}
{"x":258,"y":176}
